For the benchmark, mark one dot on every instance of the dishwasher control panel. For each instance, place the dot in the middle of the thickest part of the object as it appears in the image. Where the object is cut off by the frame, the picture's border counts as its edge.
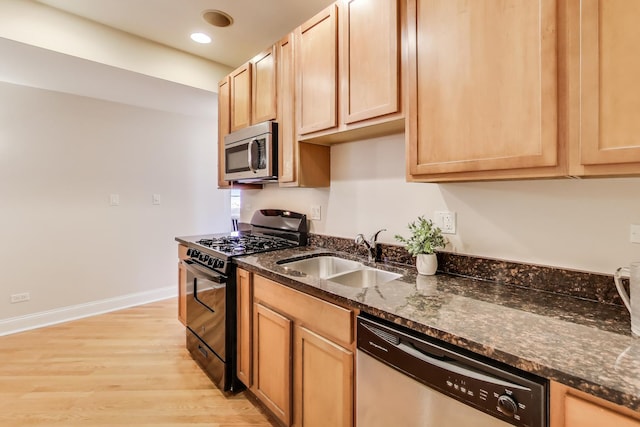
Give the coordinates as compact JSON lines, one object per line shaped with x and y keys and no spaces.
{"x":518,"y":399}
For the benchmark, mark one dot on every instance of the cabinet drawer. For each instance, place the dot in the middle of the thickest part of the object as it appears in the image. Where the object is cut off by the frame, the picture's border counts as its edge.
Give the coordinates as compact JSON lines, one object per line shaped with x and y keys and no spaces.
{"x":327,"y":319}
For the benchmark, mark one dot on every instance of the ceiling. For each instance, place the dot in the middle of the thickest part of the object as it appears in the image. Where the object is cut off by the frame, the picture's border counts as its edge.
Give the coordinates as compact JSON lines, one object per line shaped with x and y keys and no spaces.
{"x":257,"y":23}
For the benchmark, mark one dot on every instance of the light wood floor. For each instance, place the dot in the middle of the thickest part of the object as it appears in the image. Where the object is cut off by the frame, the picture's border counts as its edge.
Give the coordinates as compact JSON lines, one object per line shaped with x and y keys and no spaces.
{"x":126,"y":368}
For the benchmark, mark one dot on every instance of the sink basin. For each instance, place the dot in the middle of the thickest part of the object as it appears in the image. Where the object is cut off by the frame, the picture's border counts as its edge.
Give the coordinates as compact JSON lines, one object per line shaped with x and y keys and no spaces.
{"x":322,"y":266}
{"x":365,"y":278}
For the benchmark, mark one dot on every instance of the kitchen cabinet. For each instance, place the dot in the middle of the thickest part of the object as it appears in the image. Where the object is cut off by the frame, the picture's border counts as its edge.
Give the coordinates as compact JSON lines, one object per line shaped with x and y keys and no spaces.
{"x":572,"y":408}
{"x":303,"y":352}
{"x":364,"y":39}
{"x":240,"y":97}
{"x":369,"y":59}
{"x":317,"y":72}
{"x":224,"y":123}
{"x":605,"y":109}
{"x":244,"y":312}
{"x":323,"y":381}
{"x":182,"y":285}
{"x":263,"y":86}
{"x":300,"y":164}
{"x":483,"y":90}
{"x":273,"y":356}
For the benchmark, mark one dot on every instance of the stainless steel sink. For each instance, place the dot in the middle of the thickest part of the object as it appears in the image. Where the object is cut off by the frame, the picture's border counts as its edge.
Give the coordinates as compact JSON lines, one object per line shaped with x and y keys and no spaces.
{"x":322,"y":266}
{"x":365,"y":278}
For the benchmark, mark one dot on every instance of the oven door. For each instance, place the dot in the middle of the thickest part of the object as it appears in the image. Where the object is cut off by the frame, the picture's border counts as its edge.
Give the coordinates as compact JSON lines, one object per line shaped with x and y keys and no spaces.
{"x":206,"y":308}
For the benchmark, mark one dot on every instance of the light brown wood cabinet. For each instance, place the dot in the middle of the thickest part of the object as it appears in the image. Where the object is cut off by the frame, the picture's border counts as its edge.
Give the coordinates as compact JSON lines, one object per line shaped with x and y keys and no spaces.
{"x":244,"y":313}
{"x":182,"y":285}
{"x":263,"y":86}
{"x":224,"y":126}
{"x":317,"y":72}
{"x":300,"y":164}
{"x":370,"y":72}
{"x":349,"y":70}
{"x":273,"y":357}
{"x":483,"y":90}
{"x":240,"y":97}
{"x":303,"y":352}
{"x":573,"y":408}
{"x":605,"y":94}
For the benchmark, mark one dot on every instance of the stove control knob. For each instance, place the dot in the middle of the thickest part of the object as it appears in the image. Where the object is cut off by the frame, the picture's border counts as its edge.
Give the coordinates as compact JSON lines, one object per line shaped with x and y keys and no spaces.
{"x":219,"y":263}
{"x":507,"y":405}
{"x":211,"y":261}
{"x":189,"y":251}
{"x":205,"y":258}
{"x":194,"y":253}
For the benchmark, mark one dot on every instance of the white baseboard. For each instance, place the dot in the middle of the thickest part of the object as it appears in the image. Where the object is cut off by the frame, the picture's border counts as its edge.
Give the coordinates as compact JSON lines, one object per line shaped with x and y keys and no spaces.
{"x":65,"y":314}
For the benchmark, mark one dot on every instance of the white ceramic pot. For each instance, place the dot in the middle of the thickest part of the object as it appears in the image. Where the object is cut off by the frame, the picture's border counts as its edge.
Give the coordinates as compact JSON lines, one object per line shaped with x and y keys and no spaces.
{"x":427,"y":264}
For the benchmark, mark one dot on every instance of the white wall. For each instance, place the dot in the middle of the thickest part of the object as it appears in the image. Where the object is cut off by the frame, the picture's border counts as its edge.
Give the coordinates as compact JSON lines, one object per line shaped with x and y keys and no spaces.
{"x":36,"y":24}
{"x":577,"y":224}
{"x":61,"y":156}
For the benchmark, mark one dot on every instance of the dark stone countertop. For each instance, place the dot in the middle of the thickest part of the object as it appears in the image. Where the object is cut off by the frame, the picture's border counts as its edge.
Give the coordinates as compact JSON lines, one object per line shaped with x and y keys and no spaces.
{"x":584,"y":344}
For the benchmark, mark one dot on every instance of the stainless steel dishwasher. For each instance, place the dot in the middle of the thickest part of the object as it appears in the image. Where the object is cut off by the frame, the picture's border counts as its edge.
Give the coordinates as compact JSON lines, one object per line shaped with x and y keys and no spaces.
{"x":405,"y":379}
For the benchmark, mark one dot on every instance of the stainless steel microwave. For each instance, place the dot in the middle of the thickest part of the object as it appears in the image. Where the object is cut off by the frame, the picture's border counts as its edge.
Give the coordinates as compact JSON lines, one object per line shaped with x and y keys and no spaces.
{"x":251,"y":154}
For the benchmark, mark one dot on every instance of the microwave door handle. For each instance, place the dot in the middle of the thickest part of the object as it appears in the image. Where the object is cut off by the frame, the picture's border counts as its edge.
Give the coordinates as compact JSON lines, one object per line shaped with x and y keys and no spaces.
{"x":249,"y":157}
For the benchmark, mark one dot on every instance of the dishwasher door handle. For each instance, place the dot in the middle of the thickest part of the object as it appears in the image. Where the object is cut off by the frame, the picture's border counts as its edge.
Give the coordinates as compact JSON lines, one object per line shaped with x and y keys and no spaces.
{"x":456,"y":367}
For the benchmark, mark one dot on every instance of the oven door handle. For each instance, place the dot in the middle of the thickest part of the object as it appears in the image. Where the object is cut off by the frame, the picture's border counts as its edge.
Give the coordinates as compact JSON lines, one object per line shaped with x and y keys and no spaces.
{"x":200,"y":271}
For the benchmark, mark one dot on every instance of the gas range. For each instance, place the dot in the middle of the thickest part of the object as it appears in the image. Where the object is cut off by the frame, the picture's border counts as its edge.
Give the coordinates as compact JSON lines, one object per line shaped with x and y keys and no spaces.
{"x":211,"y":286}
{"x":271,"y":229}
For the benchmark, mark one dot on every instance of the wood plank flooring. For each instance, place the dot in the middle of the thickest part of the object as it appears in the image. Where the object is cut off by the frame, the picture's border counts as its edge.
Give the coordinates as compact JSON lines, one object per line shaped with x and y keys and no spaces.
{"x":125,"y":368}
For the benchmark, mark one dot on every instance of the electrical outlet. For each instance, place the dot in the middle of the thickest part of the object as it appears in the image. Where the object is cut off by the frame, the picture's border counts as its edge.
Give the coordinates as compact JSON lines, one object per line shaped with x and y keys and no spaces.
{"x":23,"y":297}
{"x":316,"y":212}
{"x":634,"y":235}
{"x":155,"y":199}
{"x":114,"y":199}
{"x":446,"y":221}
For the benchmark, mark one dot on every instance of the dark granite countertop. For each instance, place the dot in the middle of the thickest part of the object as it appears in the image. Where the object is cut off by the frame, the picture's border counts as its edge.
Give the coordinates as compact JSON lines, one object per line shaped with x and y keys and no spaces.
{"x":584,"y":344}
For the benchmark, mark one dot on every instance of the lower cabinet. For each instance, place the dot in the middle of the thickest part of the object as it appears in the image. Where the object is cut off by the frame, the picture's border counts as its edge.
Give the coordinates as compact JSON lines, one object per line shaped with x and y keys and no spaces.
{"x":302,"y":354}
{"x":573,"y":408}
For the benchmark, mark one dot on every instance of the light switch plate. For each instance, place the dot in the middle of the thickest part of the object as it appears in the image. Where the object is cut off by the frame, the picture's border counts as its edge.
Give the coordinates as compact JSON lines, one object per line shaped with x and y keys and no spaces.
{"x":634,"y":235}
{"x":155,"y":199}
{"x":316,"y":212}
{"x":114,"y":199}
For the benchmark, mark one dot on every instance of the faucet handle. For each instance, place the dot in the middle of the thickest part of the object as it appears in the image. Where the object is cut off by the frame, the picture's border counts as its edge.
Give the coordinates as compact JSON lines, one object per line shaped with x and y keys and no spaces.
{"x":374,"y":237}
{"x":360,"y":239}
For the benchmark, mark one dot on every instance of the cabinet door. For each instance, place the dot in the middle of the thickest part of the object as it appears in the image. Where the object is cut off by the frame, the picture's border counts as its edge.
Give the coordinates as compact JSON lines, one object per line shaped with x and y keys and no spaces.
{"x":323,"y":382}
{"x":240,"y":81}
{"x":482,"y":85}
{"x":244,"y":320}
{"x":224,"y":122}
{"x":263,"y":88}
{"x":369,"y":59}
{"x":572,"y":408}
{"x":609,"y":87}
{"x":286,"y":112}
{"x":301,"y":164}
{"x":272,"y":361}
{"x":316,"y":67}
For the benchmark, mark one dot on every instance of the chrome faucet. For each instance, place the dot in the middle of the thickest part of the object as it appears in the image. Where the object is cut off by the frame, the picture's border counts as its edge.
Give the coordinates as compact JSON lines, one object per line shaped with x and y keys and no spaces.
{"x":371,"y":244}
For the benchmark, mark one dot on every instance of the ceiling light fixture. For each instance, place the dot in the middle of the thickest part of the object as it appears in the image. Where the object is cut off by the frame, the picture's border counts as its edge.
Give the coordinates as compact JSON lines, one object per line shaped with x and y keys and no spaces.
{"x":200,"y":38}
{"x":217,"y":18}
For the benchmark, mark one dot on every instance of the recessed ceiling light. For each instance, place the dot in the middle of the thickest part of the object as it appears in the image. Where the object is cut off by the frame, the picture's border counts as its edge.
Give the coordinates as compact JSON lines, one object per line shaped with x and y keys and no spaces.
{"x":217,"y":18}
{"x":200,"y":38}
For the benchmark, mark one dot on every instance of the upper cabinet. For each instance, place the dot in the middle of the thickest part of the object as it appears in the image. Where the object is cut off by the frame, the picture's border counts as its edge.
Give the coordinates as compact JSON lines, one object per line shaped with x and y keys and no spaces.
{"x":253,"y":91}
{"x":349,"y":70}
{"x":605,"y":65}
{"x":224,"y":122}
{"x":483,"y":97}
{"x":317,"y":71}
{"x":263,"y":87}
{"x":300,"y":164}
{"x":240,"y":84}
{"x":369,"y":59}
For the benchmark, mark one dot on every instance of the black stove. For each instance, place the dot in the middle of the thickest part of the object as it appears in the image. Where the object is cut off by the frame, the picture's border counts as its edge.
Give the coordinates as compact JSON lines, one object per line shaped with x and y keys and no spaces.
{"x":211,"y":286}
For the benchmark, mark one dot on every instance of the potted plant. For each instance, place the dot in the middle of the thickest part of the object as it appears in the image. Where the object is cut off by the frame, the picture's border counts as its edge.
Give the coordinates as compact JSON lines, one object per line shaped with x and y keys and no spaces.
{"x":424,"y":240}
